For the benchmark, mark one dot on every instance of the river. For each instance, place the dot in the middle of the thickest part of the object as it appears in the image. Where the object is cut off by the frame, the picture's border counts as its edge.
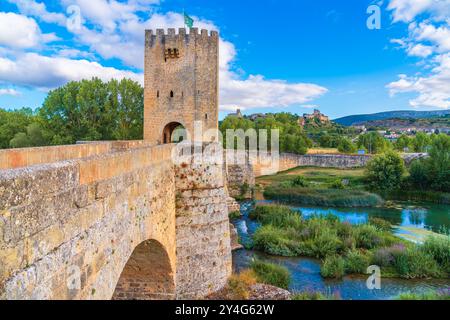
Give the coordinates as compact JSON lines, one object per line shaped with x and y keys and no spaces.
{"x":305,"y":272}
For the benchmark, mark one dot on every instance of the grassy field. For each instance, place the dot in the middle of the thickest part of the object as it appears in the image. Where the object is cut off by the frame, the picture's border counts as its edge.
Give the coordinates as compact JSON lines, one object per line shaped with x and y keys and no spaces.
{"x":317,"y":177}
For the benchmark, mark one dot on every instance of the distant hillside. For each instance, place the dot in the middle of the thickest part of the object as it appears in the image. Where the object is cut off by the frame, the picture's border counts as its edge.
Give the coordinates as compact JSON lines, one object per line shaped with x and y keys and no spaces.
{"x":355,"y":119}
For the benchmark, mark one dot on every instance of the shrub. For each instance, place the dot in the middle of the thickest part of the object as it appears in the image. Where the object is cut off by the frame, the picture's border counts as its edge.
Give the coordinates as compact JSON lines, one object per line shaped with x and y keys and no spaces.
{"x":418,"y":174}
{"x":299,"y":181}
{"x":276,"y":241}
{"x":333,"y":267}
{"x":338,"y":184}
{"x":366,"y":236}
{"x":238,"y":287}
{"x":385,"y":171}
{"x":325,"y":244}
{"x":380,"y":224}
{"x":346,"y":146}
{"x":439,"y":249}
{"x":356,"y":262}
{"x":414,"y":263}
{"x":279,"y":216}
{"x":271,"y":274}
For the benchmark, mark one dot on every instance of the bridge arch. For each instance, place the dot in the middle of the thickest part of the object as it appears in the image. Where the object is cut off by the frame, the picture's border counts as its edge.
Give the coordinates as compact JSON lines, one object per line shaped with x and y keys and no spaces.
{"x":147,"y":275}
{"x":174,"y":132}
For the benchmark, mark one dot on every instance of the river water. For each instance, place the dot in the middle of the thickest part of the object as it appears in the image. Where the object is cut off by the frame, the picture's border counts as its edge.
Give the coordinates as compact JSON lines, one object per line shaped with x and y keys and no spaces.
{"x":305,"y":272}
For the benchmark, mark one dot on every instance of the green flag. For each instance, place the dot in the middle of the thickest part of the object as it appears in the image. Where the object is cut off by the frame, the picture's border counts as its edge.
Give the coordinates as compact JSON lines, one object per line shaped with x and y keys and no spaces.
{"x":188,"y":21}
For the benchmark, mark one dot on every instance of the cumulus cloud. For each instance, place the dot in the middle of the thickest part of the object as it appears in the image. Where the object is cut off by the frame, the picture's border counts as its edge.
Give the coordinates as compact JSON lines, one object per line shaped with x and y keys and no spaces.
{"x":18,"y":31}
{"x":408,"y":10}
{"x":428,"y":38}
{"x":35,"y":70}
{"x":38,"y":10}
{"x":115,"y":30}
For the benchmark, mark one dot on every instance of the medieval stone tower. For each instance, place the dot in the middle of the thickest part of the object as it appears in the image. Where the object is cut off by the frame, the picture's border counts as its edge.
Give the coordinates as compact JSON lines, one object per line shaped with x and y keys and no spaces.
{"x":181,"y":83}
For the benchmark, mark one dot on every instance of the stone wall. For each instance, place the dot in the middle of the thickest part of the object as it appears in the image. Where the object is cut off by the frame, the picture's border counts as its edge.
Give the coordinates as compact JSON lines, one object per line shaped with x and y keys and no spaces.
{"x":82,"y":218}
{"x":203,"y":234}
{"x":286,"y":161}
{"x":72,"y":229}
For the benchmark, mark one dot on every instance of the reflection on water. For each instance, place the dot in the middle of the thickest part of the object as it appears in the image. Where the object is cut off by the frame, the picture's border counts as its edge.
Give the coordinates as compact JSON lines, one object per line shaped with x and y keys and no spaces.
{"x":305,"y":276}
{"x":427,"y":216}
{"x":305,"y":272}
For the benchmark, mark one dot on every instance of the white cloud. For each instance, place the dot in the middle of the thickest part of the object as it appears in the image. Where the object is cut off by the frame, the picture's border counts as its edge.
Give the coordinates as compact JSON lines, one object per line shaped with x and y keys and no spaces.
{"x":114,"y":30}
{"x":9,"y":92}
{"x":17,"y":31}
{"x":32,"y":69}
{"x":39,"y":10}
{"x":408,"y":10}
{"x":420,"y":50}
{"x":433,"y":90}
{"x":428,"y":38}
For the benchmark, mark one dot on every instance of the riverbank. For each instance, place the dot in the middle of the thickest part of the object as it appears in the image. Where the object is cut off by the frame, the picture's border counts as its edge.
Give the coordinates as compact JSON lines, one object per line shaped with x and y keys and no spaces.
{"x":306,"y":277}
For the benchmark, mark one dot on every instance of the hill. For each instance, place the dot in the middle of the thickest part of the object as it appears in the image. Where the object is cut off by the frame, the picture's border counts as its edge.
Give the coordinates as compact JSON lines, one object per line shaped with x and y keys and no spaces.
{"x":357,"y":119}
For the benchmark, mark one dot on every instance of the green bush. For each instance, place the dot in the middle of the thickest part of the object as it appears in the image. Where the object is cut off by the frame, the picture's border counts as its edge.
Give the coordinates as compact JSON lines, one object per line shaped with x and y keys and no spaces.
{"x":356,"y":262}
{"x":324,"y":245}
{"x":271,"y":274}
{"x":333,"y":267}
{"x":299,"y":181}
{"x":278,"y":216}
{"x":439,"y":249}
{"x":385,"y":171}
{"x":413,"y":263}
{"x":380,"y":224}
{"x":367,"y":236}
{"x":276,"y":241}
{"x":338,"y":184}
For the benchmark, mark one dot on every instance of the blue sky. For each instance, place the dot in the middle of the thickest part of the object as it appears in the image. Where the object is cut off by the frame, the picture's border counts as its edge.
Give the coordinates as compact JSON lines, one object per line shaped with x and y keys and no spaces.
{"x":283,"y":55}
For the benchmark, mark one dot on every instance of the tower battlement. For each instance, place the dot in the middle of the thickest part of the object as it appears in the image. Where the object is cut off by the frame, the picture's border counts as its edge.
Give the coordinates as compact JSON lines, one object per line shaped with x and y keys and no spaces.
{"x":161,"y":35}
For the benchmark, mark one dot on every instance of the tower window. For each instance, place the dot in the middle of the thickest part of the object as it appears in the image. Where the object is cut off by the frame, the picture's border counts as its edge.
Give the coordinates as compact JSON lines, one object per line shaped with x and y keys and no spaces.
{"x":206,"y":116}
{"x":171,"y":53}
{"x":171,"y":94}
{"x":157,"y":94}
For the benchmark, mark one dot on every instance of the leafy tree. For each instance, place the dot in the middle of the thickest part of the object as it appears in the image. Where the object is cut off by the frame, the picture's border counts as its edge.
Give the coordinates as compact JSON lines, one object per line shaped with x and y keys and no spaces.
{"x":13,"y":122}
{"x":372,"y":142}
{"x":385,"y":171}
{"x":421,"y":142}
{"x":94,"y":110}
{"x":346,"y":146}
{"x":439,"y":163}
{"x":403,"y":142}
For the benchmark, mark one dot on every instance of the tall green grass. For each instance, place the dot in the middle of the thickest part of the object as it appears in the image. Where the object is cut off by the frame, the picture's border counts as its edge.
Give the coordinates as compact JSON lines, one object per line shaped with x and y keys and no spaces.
{"x":271,"y":274}
{"x":345,"y":248}
{"x":322,"y":197}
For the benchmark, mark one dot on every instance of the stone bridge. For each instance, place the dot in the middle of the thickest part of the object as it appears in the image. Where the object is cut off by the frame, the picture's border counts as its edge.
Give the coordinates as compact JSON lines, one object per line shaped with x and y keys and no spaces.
{"x":111,"y":220}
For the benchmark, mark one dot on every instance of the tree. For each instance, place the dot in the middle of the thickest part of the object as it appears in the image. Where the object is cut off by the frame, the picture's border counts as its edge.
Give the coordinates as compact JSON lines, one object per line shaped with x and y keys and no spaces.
{"x":33,"y":137}
{"x":94,"y":110}
{"x":346,"y":146}
{"x":439,"y":163}
{"x":13,"y":122}
{"x":421,"y":142}
{"x":372,"y":142}
{"x":403,"y":142}
{"x":385,"y":171}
